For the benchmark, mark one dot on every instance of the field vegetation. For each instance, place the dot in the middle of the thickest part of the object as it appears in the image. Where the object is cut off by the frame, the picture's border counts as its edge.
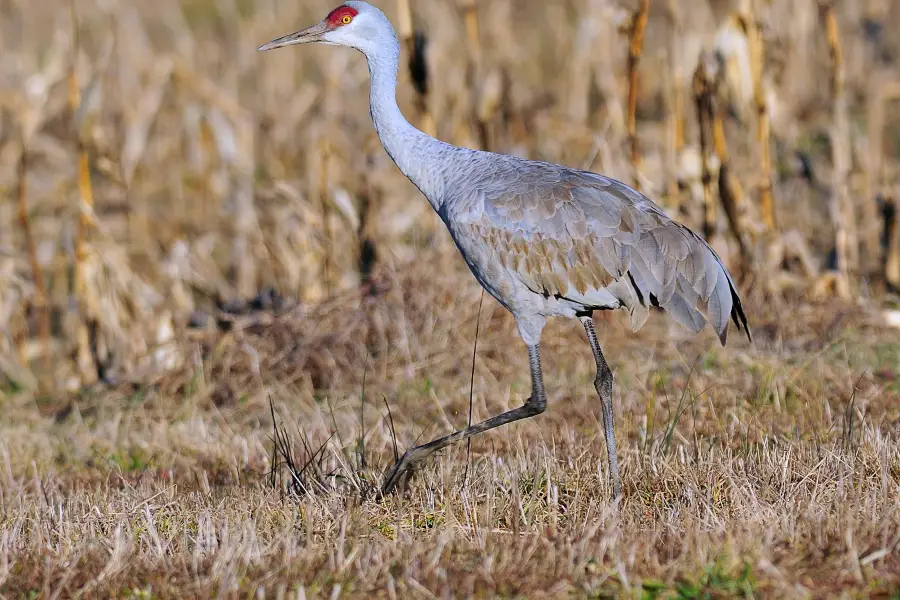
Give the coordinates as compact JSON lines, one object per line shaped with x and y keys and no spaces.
{"x":225,"y":310}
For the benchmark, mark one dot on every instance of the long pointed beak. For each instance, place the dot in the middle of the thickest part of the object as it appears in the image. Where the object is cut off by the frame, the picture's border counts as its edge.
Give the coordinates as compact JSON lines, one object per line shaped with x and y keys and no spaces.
{"x":304,"y":36}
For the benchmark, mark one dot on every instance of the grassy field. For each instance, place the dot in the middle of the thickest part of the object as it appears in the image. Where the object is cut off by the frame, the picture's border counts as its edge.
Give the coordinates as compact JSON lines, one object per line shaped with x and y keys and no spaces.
{"x":170,"y":428}
{"x":747,"y":472}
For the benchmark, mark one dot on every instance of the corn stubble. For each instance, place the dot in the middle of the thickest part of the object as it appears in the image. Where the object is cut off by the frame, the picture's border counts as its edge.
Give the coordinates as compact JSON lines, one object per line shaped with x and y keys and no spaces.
{"x":162,"y":180}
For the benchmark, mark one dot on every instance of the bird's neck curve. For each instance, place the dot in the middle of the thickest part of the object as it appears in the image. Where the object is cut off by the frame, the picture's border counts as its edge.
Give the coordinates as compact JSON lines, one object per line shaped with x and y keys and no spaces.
{"x":415,"y":153}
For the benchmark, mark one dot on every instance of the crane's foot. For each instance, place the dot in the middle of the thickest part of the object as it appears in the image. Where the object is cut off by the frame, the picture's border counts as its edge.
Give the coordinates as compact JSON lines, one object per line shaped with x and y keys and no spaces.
{"x":398,"y":475}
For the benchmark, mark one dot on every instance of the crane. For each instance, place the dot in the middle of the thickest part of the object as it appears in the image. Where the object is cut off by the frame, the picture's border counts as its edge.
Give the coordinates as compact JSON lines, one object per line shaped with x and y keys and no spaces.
{"x":543,"y":239}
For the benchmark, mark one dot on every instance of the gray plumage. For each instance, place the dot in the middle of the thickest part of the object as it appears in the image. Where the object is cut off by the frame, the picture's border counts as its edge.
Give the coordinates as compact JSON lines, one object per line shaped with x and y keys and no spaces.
{"x":547,"y":240}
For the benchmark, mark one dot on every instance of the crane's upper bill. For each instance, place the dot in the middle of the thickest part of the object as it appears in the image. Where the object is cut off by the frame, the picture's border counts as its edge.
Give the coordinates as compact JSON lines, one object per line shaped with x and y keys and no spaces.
{"x":305,"y":36}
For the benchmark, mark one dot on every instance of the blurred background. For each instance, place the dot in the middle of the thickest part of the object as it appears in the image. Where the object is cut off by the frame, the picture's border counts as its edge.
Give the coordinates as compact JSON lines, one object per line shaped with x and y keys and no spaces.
{"x":163,"y":181}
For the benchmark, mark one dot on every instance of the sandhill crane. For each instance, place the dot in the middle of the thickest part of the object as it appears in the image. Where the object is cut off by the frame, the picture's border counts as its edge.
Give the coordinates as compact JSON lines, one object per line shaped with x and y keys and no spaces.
{"x":543,"y":239}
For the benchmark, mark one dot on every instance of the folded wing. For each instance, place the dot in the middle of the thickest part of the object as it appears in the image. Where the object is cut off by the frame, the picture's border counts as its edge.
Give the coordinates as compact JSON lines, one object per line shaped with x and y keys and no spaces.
{"x":599,"y":243}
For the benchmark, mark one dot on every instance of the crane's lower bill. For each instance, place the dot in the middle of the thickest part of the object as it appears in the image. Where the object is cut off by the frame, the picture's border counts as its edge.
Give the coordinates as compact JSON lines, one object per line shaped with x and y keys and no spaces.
{"x":305,"y":36}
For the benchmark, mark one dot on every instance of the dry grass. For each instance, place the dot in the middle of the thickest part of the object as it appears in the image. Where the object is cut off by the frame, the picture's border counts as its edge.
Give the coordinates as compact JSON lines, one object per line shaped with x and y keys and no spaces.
{"x":170,"y":173}
{"x":746,"y":472}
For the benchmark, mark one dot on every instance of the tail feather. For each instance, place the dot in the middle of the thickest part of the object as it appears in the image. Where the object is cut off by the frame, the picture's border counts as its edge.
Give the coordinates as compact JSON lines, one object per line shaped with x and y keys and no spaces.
{"x":726,"y":295}
{"x":702,"y":287}
{"x":685,"y":277}
{"x":719,"y":304}
{"x":684,"y":313}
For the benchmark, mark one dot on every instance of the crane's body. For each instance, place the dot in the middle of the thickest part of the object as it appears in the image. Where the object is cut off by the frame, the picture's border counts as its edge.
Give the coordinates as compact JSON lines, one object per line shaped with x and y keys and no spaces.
{"x":543,"y":239}
{"x":549,"y":241}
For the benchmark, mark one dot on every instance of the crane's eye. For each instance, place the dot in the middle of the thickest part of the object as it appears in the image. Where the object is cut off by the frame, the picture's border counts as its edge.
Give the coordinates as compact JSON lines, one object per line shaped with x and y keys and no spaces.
{"x":346,"y":19}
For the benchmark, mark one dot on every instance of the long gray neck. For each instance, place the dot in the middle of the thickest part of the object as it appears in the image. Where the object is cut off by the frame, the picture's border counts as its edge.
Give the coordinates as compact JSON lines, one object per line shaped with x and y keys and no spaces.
{"x":418,"y":155}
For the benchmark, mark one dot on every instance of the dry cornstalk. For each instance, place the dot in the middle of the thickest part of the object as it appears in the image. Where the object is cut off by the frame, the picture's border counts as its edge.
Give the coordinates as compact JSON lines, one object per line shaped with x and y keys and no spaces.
{"x":731,"y":193}
{"x":842,"y":211}
{"x":606,"y":22}
{"x":325,"y":205}
{"x":469,"y":10}
{"x":415,"y":42}
{"x":85,"y":210}
{"x":232,"y":131}
{"x":886,"y":259}
{"x":367,"y":254}
{"x":892,"y":235}
{"x":675,"y":99}
{"x":635,"y":47}
{"x":490,"y":102}
{"x":470,"y":17}
{"x":703,"y":103}
{"x":873,"y":183}
{"x":206,"y":207}
{"x":757,"y":49}
{"x":581,"y":62}
{"x":217,"y":102}
{"x":85,"y":190}
{"x":140,"y":120}
{"x":708,"y":78}
{"x":404,"y":22}
{"x":246,"y":226}
{"x":40,"y":300}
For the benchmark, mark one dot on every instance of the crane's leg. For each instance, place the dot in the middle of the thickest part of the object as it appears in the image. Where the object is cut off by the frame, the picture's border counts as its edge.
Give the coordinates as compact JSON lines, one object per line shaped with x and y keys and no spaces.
{"x":604,"y":386}
{"x":535,"y":405}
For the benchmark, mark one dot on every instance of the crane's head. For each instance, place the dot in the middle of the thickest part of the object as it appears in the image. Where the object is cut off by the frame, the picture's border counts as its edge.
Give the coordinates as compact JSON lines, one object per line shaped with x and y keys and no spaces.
{"x":354,"y":23}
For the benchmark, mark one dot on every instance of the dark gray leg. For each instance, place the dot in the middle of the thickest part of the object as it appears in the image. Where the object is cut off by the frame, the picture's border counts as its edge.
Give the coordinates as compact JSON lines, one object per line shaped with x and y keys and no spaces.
{"x":535,"y":405}
{"x":604,"y":386}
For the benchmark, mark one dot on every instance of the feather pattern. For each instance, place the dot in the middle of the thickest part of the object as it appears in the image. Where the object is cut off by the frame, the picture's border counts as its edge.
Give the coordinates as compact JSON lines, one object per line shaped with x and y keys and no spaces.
{"x":583,"y":242}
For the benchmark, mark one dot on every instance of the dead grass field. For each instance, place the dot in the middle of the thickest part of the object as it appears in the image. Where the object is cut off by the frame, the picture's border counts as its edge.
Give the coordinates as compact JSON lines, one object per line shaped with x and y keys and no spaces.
{"x":157,"y":173}
{"x":759,"y":472}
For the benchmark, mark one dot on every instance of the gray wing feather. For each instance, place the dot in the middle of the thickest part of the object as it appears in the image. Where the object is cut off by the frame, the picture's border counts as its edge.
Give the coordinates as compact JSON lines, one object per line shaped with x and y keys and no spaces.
{"x":573,"y":234}
{"x":720,"y":303}
{"x":685,"y":314}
